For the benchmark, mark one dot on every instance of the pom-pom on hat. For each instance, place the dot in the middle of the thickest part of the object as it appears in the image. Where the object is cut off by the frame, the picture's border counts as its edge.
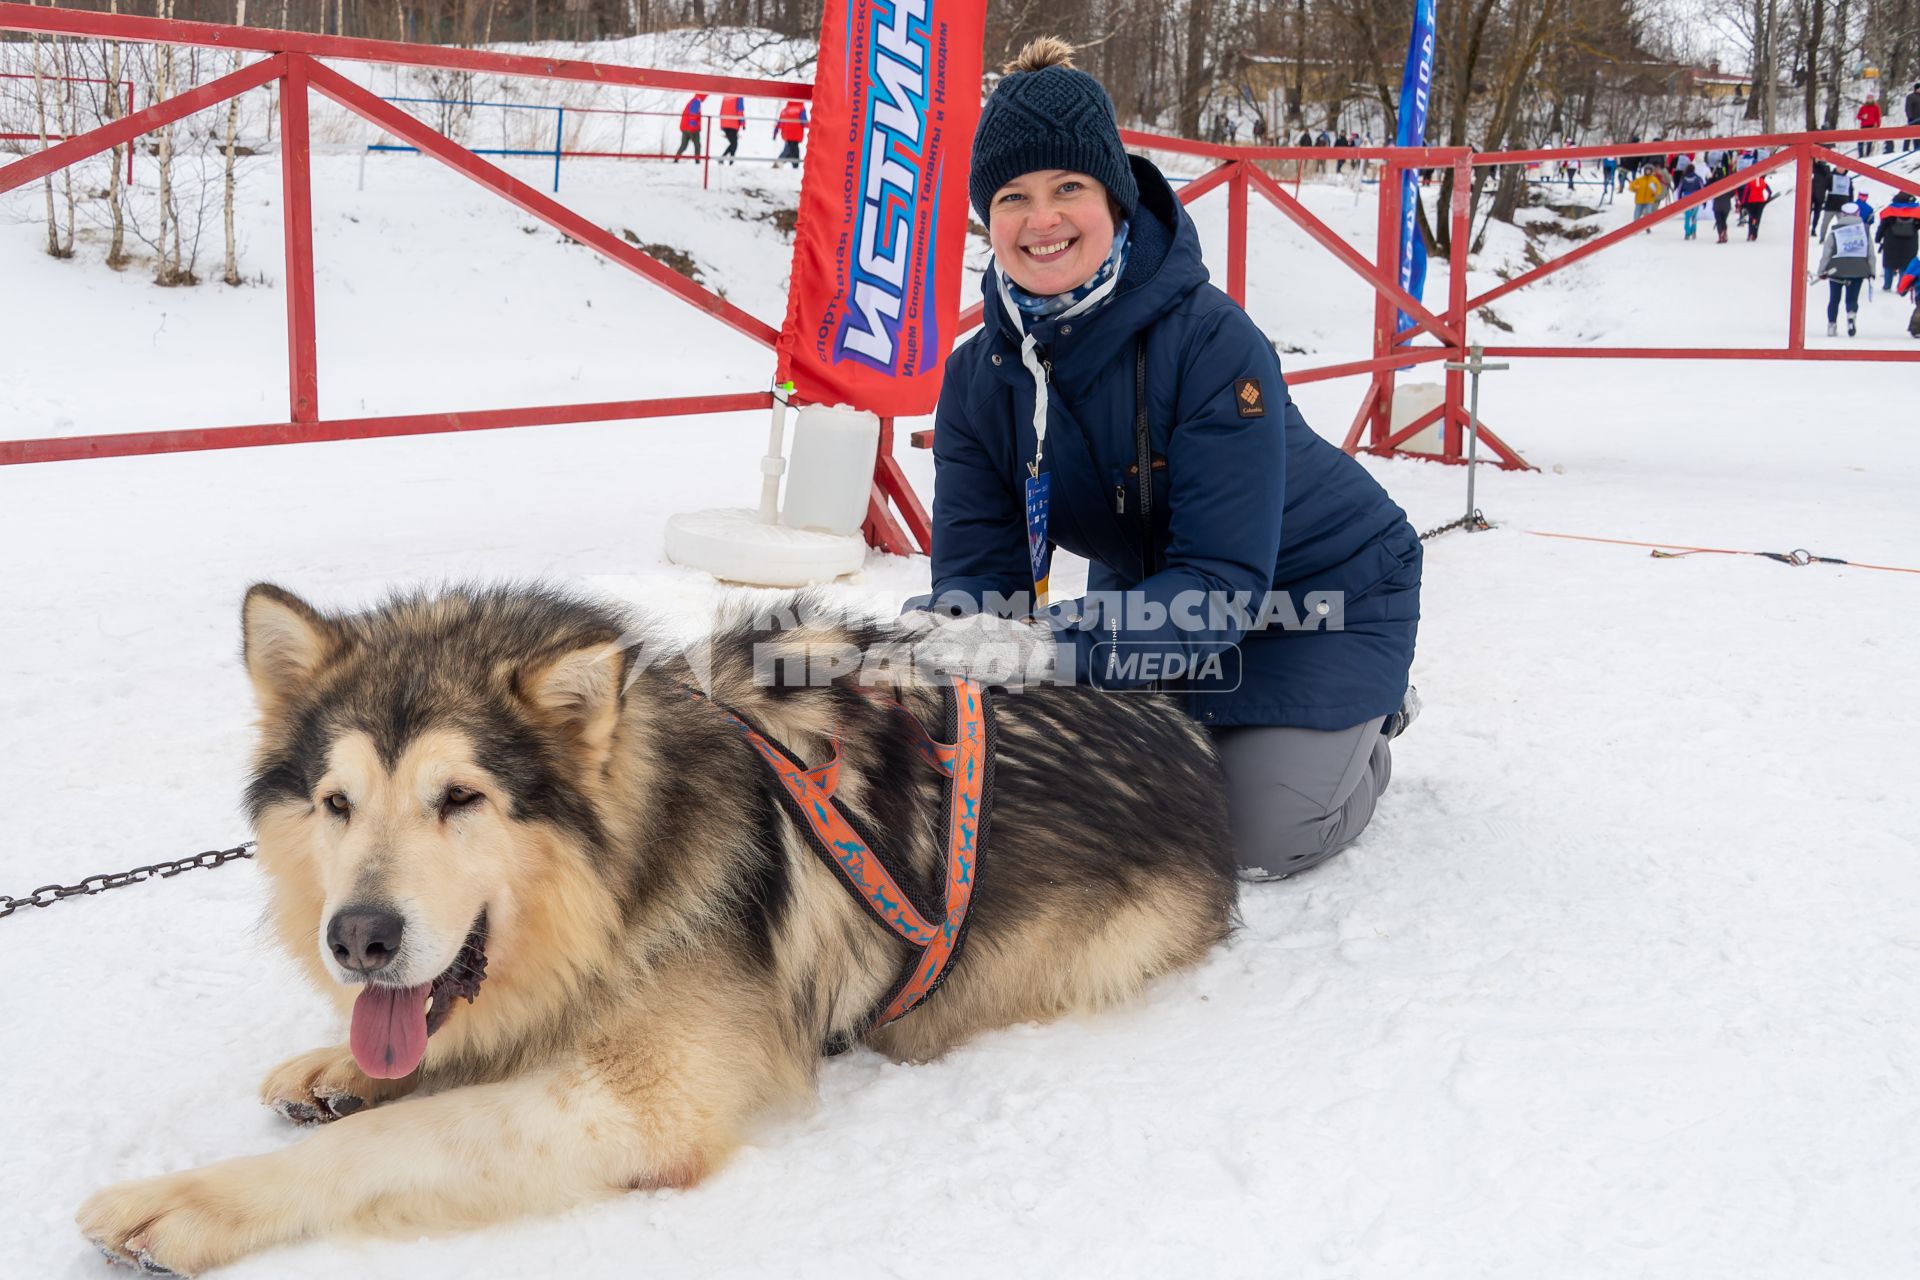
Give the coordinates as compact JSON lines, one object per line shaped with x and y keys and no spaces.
{"x":1048,"y":114}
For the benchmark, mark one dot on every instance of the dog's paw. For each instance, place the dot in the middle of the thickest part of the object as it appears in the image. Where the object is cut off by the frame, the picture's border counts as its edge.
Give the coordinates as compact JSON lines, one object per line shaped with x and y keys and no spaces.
{"x":323,"y":1085}
{"x":160,"y":1226}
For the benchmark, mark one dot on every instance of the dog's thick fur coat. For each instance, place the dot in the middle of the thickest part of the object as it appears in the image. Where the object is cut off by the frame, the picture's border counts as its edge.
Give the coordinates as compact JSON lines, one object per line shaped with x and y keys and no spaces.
{"x":664,"y":955}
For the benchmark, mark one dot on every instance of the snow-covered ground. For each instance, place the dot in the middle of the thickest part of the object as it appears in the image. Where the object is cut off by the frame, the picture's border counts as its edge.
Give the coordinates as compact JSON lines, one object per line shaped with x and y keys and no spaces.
{"x":1621,"y":981}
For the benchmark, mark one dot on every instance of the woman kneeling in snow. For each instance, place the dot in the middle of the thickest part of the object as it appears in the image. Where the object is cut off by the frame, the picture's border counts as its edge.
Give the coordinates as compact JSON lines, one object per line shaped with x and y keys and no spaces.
{"x":1119,"y":406}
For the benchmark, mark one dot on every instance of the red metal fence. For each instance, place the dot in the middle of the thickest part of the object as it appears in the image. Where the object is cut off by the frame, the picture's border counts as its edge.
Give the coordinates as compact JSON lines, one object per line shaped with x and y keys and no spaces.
{"x":896,"y":521}
{"x":1240,"y":171}
{"x":61,"y":137}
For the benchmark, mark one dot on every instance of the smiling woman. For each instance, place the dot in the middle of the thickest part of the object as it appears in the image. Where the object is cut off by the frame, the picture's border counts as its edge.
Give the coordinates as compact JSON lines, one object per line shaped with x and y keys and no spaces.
{"x":1118,"y":405}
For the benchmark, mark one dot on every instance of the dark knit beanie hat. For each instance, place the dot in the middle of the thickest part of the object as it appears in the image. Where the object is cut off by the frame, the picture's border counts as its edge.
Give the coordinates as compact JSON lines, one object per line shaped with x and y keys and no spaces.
{"x":1048,"y":114}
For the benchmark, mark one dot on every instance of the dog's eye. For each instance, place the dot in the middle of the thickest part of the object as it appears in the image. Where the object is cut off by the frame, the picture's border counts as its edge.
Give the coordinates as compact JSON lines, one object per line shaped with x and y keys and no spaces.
{"x":459,"y":798}
{"x":337,"y":805}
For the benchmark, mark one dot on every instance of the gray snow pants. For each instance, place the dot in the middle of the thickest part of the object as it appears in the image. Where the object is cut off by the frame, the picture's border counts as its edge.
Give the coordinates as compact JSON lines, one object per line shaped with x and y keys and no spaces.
{"x":1298,"y":796}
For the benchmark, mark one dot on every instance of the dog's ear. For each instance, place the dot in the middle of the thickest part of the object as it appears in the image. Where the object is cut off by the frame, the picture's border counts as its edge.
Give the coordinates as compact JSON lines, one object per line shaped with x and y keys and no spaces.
{"x":578,"y":693}
{"x":286,"y":641}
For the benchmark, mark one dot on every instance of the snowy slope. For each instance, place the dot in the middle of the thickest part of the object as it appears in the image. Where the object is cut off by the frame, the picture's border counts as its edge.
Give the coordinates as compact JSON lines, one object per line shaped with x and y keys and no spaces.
{"x":1620,"y":982}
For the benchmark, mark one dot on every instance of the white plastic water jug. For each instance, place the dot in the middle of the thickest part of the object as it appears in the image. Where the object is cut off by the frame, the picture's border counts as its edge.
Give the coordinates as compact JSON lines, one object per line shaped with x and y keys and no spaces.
{"x":830,"y":468}
{"x":1411,"y":401}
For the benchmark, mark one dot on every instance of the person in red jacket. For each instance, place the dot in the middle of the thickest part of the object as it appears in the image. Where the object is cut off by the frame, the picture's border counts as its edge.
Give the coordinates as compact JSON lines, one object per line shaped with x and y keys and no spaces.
{"x":1757,"y":194}
{"x":690,"y":127}
{"x":733,"y":114}
{"x":790,"y":128}
{"x":1868,"y":117}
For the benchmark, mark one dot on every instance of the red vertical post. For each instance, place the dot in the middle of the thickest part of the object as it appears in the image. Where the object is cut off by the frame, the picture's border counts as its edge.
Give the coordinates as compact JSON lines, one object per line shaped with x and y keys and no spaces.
{"x":1237,"y":233}
{"x":1387,"y":256}
{"x":1453,"y":432}
{"x":1802,"y":215}
{"x":296,"y":187}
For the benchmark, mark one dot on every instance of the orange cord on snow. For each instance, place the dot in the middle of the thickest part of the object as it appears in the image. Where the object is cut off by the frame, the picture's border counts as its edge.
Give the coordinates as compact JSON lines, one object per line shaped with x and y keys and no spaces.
{"x":1673,"y":550}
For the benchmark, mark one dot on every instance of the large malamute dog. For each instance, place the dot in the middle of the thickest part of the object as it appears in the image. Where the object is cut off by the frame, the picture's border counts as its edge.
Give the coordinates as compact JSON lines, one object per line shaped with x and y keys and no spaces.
{"x":558,"y":899}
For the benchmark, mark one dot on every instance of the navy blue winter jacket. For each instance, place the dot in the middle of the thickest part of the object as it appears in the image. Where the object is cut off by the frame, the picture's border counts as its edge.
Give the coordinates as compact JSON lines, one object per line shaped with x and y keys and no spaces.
{"x":1250,"y":499}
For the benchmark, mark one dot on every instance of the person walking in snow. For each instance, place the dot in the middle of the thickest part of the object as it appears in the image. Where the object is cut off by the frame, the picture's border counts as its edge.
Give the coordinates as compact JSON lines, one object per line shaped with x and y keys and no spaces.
{"x":733,"y":115}
{"x":1839,"y":196}
{"x":1756,"y":196}
{"x":1646,"y":193}
{"x":1144,"y":414}
{"x":1722,"y":206}
{"x":1846,"y":262}
{"x":1817,"y":196}
{"x":1867,"y":117}
{"x":690,"y":127}
{"x":1608,"y":168}
{"x":1898,"y":237}
{"x":790,"y":128}
{"x":1909,"y":286}
{"x":1690,"y":182}
{"x":1913,"y":117}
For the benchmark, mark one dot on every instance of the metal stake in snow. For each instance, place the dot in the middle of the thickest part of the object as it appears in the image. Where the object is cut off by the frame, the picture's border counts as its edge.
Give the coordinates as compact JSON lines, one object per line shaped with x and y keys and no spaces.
{"x":1475,"y":364}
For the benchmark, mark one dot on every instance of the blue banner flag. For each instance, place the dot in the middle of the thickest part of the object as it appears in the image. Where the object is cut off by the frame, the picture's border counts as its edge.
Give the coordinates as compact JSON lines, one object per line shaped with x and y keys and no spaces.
{"x":1416,"y":83}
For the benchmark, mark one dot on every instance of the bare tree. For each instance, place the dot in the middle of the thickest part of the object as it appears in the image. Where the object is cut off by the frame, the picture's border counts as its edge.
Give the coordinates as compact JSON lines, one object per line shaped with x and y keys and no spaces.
{"x":232,"y":273}
{"x":1837,"y":47}
{"x":117,"y":246}
{"x":55,"y":247}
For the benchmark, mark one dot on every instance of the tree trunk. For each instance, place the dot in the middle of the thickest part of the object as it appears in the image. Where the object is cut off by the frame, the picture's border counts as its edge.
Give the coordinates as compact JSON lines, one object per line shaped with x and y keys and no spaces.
{"x":68,"y":119}
{"x":1816,"y":30}
{"x":232,"y":273}
{"x":164,"y":269}
{"x":1836,"y":56}
{"x":1193,"y":82}
{"x":1294,"y":108}
{"x":117,"y":247}
{"x":40,"y":107}
{"x":1770,"y":108}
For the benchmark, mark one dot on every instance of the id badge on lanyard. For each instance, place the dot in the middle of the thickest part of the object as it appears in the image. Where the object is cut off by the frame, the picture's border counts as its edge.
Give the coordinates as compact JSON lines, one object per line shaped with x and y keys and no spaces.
{"x":1039,"y":550}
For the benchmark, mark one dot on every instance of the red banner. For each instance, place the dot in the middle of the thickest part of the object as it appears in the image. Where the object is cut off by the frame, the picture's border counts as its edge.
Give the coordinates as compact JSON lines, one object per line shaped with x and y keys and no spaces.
{"x":875,"y":296}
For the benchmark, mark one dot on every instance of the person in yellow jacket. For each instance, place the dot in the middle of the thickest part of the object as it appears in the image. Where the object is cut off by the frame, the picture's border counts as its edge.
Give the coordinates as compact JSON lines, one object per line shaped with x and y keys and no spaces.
{"x":1646,"y":193}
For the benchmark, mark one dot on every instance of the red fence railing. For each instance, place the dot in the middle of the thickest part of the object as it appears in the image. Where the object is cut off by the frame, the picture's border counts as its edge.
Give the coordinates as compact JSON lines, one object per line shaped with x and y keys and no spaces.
{"x":61,"y":137}
{"x":1241,"y":171}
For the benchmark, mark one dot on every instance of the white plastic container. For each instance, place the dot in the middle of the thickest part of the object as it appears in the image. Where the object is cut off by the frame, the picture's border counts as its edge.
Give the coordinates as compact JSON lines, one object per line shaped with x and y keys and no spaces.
{"x":830,"y":469}
{"x":1412,"y":400}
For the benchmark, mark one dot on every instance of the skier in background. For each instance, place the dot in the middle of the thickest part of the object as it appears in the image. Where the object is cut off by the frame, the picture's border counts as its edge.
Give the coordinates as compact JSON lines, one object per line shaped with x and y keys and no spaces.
{"x":1846,"y":262}
{"x":690,"y":127}
{"x":790,"y":128}
{"x":1867,"y":117}
{"x":1758,"y":195}
{"x":733,"y":114}
{"x":1690,"y":182}
{"x":1722,"y":206}
{"x":1898,"y":237}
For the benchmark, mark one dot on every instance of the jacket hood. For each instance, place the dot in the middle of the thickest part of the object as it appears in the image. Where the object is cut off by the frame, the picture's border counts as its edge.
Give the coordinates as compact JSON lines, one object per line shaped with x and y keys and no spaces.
{"x":1163,"y":267}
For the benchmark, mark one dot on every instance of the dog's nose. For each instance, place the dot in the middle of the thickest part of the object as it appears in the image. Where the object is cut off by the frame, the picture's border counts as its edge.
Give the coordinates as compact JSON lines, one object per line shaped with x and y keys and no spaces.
{"x":364,"y":939}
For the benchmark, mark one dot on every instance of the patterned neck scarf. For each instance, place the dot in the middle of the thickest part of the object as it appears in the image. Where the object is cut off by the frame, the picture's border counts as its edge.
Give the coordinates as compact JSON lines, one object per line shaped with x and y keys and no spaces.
{"x":1034,"y":308}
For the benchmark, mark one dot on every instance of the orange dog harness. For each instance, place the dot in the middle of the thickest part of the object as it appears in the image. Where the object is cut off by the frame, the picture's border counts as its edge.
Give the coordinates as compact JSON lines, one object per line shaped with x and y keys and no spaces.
{"x":870,"y":876}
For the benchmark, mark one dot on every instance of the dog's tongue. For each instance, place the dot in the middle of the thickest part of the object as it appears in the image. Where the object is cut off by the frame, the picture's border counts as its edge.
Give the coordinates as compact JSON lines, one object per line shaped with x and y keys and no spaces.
{"x":389,"y":1035}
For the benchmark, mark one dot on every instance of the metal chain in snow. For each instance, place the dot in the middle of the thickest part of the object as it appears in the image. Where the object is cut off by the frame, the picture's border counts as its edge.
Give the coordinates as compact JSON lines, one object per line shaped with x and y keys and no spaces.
{"x":1476,"y":522}
{"x":47,"y":895}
